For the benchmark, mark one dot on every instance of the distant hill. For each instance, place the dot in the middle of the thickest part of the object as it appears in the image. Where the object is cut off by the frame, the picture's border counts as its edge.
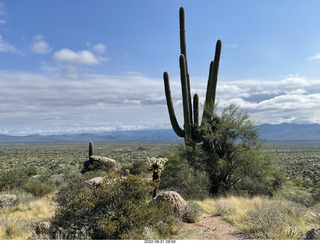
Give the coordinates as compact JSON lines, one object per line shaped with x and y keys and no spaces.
{"x":290,"y":132}
{"x":279,"y":132}
{"x":165,"y":135}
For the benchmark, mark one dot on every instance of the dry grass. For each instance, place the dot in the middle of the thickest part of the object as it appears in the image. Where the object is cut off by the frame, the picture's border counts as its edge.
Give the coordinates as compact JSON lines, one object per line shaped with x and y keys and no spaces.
{"x":18,"y":222}
{"x":274,"y":218}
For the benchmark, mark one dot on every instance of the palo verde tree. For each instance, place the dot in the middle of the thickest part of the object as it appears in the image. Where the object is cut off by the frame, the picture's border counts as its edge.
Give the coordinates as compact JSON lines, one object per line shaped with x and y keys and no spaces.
{"x":193,"y":132}
{"x":231,"y":158}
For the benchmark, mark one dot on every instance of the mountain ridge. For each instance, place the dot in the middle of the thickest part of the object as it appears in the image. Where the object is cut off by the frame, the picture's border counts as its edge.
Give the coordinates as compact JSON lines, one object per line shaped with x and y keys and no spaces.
{"x":277,"y":132}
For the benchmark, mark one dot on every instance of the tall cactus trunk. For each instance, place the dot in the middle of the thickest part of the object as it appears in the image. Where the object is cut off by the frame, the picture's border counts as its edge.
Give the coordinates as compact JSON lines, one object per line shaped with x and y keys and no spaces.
{"x":183,"y":51}
{"x":91,"y":149}
{"x":191,"y":128}
{"x":185,"y":100}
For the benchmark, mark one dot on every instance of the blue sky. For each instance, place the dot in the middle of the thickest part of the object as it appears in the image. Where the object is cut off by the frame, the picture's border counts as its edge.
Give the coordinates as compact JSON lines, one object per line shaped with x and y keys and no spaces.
{"x":90,"y":66}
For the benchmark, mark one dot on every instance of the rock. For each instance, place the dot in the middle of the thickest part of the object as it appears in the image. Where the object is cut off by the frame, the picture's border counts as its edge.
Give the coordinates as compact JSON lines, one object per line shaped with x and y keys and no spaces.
{"x":58,"y":177}
{"x":102,"y":159}
{"x":8,"y":200}
{"x":48,"y":230}
{"x":99,"y":163}
{"x":178,"y":204}
{"x":92,"y":183}
{"x":313,"y":234}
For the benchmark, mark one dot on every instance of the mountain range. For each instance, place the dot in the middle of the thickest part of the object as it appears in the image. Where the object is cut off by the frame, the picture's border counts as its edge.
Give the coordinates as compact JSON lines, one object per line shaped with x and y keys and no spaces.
{"x":278,"y":132}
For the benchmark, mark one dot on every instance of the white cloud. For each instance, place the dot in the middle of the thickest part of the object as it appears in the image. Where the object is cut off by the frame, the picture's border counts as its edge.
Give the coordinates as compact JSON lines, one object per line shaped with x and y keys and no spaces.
{"x":314,"y":57}
{"x":6,"y":47}
{"x":3,"y":14}
{"x":51,"y":103}
{"x":227,"y":45}
{"x":84,"y":57}
{"x":40,"y":45}
{"x":99,"y":48}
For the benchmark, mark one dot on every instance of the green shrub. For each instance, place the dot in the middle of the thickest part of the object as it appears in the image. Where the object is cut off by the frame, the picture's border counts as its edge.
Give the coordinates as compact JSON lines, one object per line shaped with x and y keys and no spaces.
{"x":223,"y":208}
{"x":136,"y":168}
{"x":120,"y":208}
{"x":31,"y":170}
{"x":270,"y":223}
{"x":180,"y":176}
{"x":293,"y":209}
{"x":193,"y":212}
{"x":38,"y":188}
{"x":70,"y":188}
{"x":13,"y":179}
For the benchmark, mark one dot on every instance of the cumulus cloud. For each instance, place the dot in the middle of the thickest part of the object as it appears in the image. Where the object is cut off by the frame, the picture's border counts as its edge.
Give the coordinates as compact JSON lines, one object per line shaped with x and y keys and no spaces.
{"x":81,"y":57}
{"x":40,"y":45}
{"x":73,"y":62}
{"x":49,"y":103}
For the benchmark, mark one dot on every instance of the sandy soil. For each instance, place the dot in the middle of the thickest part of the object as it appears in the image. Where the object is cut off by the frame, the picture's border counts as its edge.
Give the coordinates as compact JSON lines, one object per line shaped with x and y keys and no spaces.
{"x":213,"y":228}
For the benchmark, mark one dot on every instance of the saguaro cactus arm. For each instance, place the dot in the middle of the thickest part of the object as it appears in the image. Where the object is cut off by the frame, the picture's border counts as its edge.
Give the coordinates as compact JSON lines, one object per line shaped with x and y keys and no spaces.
{"x":183,"y":50}
{"x":185,"y":99}
{"x":172,"y":115}
{"x":196,"y":110}
{"x":211,"y":86}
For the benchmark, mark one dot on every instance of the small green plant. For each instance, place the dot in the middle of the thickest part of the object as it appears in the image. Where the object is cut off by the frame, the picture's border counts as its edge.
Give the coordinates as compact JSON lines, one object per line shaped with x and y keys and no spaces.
{"x":224,"y":209}
{"x":193,"y":212}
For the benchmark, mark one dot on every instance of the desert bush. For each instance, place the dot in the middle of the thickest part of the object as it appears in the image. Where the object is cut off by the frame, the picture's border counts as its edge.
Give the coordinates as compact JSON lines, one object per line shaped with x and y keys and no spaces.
{"x":178,"y":175}
{"x":12,"y":179}
{"x":136,"y":168}
{"x":193,"y":212}
{"x":270,"y":223}
{"x":301,"y":198}
{"x":231,"y":158}
{"x":38,"y":188}
{"x":293,"y":209}
{"x":120,"y":208}
{"x":223,"y":208}
{"x":31,"y":170}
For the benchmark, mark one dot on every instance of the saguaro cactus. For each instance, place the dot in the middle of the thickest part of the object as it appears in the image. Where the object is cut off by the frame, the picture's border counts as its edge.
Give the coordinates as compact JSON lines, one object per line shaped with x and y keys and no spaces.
{"x":192,"y":131}
{"x":91,"y":149}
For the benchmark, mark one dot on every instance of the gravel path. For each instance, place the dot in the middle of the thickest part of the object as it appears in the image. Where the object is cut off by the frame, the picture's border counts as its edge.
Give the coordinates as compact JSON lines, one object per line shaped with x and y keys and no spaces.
{"x":213,"y":228}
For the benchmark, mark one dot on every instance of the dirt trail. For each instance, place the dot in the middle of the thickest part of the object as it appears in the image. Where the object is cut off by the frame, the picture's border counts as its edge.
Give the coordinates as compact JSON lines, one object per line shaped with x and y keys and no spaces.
{"x":213,"y":228}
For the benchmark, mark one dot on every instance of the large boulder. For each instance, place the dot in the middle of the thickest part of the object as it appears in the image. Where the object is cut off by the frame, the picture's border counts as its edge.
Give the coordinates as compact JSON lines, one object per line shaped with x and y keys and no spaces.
{"x":313,"y":234}
{"x":92,"y":183}
{"x":8,"y":200}
{"x":99,"y":163}
{"x":179,"y":205}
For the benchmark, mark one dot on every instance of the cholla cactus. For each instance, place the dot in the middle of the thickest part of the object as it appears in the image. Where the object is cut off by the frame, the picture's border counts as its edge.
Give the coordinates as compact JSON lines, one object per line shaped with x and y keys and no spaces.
{"x":156,"y":165}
